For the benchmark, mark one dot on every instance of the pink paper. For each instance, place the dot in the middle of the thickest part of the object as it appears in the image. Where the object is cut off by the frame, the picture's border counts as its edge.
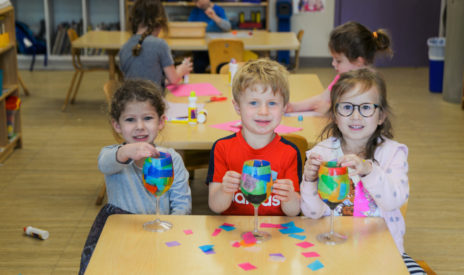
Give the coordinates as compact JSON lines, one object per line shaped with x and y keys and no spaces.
{"x":247,"y":266}
{"x":216,"y":232}
{"x":305,"y":244}
{"x":200,"y":89}
{"x":188,"y":232}
{"x":271,"y":225}
{"x":232,"y":126}
{"x":310,"y":254}
{"x":361,"y":201}
{"x":227,"y":224}
{"x":249,"y":238}
{"x":236,"y":244}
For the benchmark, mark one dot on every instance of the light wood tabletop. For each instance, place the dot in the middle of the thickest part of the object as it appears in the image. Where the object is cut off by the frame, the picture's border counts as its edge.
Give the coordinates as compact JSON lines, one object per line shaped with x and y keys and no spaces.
{"x":202,"y":136}
{"x":126,"y":248}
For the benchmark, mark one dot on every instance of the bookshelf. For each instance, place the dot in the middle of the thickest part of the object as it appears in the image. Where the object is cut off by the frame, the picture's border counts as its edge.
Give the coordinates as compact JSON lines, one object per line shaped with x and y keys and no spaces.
{"x":9,"y":65}
{"x":180,"y":10}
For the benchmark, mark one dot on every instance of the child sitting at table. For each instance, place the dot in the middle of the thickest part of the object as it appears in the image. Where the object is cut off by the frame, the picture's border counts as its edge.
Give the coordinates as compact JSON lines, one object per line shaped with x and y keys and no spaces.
{"x":137,"y":114}
{"x":358,"y":136}
{"x":146,"y":55}
{"x":352,"y":47}
{"x":260,"y":91}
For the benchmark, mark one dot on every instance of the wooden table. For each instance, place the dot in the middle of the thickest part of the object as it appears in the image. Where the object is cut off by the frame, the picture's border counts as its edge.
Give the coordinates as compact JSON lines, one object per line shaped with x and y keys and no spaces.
{"x":112,"y":41}
{"x":126,"y":248}
{"x":202,"y":136}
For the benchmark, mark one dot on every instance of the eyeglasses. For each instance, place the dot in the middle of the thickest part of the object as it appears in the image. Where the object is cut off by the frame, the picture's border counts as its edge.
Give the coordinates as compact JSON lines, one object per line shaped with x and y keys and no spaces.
{"x":346,"y":109}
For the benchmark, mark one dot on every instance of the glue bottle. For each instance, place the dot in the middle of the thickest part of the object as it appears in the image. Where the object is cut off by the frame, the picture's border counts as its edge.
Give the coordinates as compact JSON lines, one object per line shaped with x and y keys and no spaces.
{"x":233,"y":67}
{"x":192,"y":108}
{"x":36,"y":233}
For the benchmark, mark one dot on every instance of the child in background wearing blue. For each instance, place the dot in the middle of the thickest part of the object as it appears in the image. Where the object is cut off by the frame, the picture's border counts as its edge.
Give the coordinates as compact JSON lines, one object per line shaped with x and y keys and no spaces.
{"x":137,"y":114}
{"x":352,"y":47}
{"x":358,"y":136}
{"x":145,"y":55}
{"x":260,"y":91}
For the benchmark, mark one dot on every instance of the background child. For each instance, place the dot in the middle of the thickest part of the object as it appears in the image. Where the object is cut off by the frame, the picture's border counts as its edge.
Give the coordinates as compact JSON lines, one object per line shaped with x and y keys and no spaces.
{"x":359,"y":137}
{"x":145,"y":55}
{"x":137,"y":114}
{"x":260,"y":91}
{"x":352,"y":47}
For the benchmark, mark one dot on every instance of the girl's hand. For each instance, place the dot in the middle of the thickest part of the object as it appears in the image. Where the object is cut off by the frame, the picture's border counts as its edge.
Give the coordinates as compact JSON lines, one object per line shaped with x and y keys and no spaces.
{"x":312,"y":167}
{"x":283,"y":190}
{"x":136,"y":151}
{"x":231,"y":182}
{"x":185,"y":67}
{"x":357,"y":165}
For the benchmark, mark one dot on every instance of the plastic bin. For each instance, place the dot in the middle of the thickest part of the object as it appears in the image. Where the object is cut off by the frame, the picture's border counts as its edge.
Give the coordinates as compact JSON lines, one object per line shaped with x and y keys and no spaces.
{"x":436,"y":63}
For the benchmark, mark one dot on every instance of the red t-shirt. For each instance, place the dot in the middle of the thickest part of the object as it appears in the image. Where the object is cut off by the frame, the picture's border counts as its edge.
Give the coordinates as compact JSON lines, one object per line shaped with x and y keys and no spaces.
{"x":231,"y":152}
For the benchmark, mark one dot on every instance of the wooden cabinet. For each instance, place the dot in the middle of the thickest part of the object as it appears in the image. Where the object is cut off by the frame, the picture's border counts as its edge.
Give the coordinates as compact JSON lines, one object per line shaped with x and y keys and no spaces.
{"x":9,"y":66}
{"x":179,"y":11}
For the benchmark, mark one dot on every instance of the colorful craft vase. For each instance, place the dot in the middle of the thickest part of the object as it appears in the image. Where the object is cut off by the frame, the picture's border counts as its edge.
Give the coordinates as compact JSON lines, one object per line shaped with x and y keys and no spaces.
{"x":158,"y":174}
{"x":333,"y":183}
{"x":256,"y":182}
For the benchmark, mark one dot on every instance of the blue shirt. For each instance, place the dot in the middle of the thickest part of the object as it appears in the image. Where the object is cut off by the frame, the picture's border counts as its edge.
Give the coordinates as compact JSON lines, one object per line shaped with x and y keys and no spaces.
{"x":199,"y":15}
{"x":125,"y":189}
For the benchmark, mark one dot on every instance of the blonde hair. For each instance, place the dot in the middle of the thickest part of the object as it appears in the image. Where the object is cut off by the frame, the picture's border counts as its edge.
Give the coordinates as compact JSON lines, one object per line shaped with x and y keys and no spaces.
{"x":261,"y":71}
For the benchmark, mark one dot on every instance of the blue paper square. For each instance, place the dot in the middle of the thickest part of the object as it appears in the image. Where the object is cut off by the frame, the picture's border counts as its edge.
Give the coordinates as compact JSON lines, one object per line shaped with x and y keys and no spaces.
{"x":206,"y":248}
{"x":227,"y":228}
{"x":289,"y":224}
{"x":291,"y":230}
{"x":316,"y":265}
{"x":299,"y":237}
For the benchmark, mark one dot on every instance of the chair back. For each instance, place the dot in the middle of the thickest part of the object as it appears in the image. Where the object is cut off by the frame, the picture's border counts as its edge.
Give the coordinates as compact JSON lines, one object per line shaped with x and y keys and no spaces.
{"x":223,"y":50}
{"x":109,"y":88}
{"x":225,"y":69}
{"x":299,"y":36}
{"x":72,"y":34}
{"x":300,"y":142}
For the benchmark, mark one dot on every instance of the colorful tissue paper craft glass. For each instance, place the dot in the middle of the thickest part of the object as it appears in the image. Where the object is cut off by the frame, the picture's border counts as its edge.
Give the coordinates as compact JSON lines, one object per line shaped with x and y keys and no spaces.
{"x":158,"y":176}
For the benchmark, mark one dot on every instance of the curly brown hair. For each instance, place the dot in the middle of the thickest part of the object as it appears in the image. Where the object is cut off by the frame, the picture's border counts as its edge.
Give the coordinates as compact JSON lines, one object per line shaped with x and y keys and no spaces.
{"x":136,"y":90}
{"x":150,"y":14}
{"x":363,"y":80}
{"x":355,"y":40}
{"x":261,"y":71}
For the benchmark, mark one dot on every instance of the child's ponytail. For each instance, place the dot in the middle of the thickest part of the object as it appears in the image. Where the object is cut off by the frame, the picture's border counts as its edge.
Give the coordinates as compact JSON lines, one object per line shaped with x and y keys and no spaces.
{"x":138,"y":47}
{"x":382,"y":41}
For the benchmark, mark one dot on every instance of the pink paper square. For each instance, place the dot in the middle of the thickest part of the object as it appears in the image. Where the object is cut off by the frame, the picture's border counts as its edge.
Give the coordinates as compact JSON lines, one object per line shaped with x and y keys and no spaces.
{"x":249,"y":238}
{"x":216,"y":232}
{"x":305,"y":244}
{"x":271,"y":225}
{"x":201,"y":89}
{"x":310,"y":254}
{"x":188,"y":232}
{"x":227,"y":224}
{"x":236,"y":244}
{"x":247,"y":266}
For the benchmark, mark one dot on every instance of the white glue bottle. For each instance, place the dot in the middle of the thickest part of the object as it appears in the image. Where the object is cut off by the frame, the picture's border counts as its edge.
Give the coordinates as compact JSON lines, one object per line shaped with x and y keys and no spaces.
{"x":233,"y":67}
{"x":36,"y":233}
{"x":192,"y":108}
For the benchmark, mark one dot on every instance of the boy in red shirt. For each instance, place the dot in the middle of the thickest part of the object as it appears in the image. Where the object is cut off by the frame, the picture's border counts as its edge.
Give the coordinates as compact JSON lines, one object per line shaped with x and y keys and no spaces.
{"x":260,"y":91}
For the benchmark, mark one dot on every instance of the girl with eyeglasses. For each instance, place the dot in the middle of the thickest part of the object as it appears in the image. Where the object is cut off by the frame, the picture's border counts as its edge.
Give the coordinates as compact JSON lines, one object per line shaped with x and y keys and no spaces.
{"x":352,"y":47}
{"x":359,"y":136}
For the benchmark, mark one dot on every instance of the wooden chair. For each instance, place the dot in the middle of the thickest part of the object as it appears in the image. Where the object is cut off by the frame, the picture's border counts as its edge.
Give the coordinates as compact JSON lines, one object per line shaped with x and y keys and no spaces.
{"x":79,"y":70}
{"x":421,"y":263}
{"x":296,"y":65}
{"x":300,"y":142}
{"x":225,"y":69}
{"x":223,"y":50}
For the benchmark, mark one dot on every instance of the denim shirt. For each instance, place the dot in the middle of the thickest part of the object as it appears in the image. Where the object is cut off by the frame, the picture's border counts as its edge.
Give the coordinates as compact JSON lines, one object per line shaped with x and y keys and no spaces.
{"x":124,"y":185}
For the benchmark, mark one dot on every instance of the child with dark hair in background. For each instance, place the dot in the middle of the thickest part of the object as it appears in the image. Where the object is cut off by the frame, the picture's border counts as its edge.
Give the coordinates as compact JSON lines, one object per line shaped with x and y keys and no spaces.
{"x":146,"y":55}
{"x":137,"y":114}
{"x":352,"y":47}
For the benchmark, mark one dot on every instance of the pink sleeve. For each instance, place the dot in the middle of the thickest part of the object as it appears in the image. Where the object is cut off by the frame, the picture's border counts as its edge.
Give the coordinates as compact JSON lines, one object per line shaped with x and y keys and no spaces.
{"x":333,"y":82}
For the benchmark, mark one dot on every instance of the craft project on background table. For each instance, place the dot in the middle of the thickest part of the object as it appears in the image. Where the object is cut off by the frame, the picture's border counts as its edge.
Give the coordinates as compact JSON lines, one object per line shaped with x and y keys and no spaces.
{"x":234,"y":126}
{"x":178,"y":110}
{"x":201,"y":89}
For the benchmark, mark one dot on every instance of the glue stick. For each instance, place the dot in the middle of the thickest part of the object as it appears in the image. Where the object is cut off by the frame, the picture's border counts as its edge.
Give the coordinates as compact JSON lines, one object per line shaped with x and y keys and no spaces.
{"x":192,"y":108}
{"x":36,"y":233}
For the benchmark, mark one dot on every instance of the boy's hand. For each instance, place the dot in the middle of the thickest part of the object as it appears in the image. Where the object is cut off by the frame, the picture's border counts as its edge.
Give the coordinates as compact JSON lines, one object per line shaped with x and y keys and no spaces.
{"x":312,"y":167}
{"x":231,"y":182}
{"x":357,"y":165}
{"x":136,"y":151}
{"x":211,"y":13}
{"x":283,"y":190}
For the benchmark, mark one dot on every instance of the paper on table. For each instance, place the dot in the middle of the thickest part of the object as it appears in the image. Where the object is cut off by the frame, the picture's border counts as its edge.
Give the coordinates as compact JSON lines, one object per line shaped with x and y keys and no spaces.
{"x":227,"y":228}
{"x":308,"y":113}
{"x":173,"y":243}
{"x":249,"y":238}
{"x":310,"y":254}
{"x":299,"y":237}
{"x":216,"y":232}
{"x":316,"y":265}
{"x":305,"y":244}
{"x":199,"y":88}
{"x":232,"y":126}
{"x":175,"y":110}
{"x":188,"y":231}
{"x":271,"y":225}
{"x":247,"y":266}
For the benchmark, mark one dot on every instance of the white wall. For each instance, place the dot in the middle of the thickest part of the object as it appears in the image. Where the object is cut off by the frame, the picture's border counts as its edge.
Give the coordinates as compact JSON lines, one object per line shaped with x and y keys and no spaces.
{"x":317,"y":27}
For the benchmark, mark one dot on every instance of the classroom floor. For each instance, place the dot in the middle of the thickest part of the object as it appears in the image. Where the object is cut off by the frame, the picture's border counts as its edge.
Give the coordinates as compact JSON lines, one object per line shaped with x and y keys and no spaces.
{"x":53,"y":181}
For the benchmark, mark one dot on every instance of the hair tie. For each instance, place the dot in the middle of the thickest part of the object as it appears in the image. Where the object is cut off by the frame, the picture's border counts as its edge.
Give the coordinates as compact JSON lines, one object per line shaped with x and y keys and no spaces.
{"x":374,"y":34}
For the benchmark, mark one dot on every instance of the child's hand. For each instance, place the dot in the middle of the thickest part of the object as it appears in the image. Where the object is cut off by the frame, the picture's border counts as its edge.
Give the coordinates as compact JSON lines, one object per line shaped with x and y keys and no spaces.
{"x":211,"y":13}
{"x":231,"y":182}
{"x":312,"y":167}
{"x":136,"y":151}
{"x":185,"y":67}
{"x":357,"y":165}
{"x":283,"y":190}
